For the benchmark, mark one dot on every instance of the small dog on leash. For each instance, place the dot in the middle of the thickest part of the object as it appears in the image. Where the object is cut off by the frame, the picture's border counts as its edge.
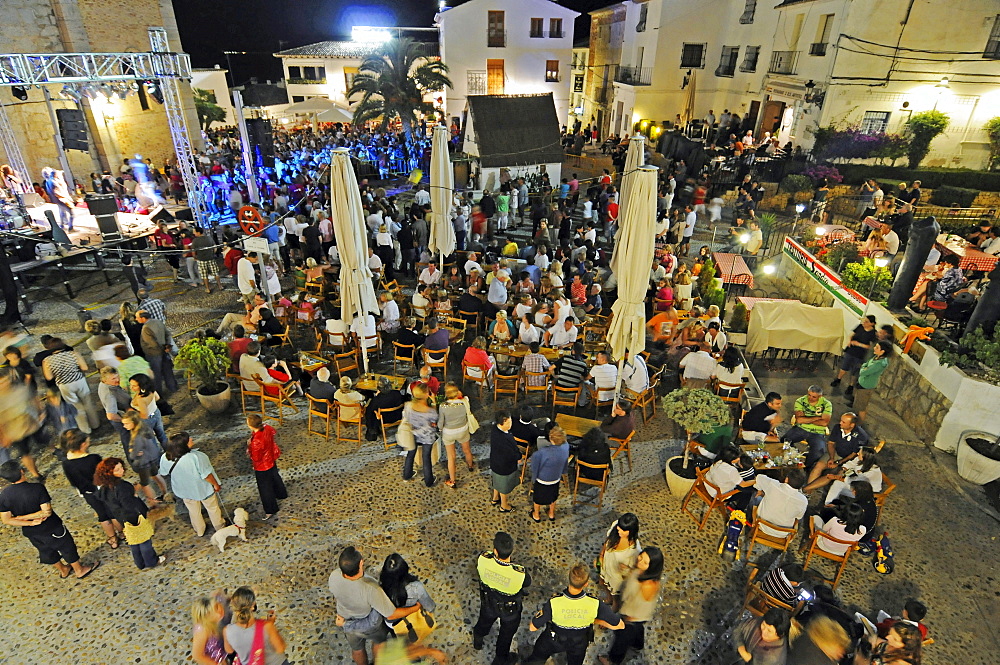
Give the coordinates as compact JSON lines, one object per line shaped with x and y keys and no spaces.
{"x":238,"y":529}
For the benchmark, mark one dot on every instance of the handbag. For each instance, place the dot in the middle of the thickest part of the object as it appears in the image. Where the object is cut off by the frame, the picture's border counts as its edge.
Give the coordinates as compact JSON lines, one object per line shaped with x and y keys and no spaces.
{"x":415,"y":627}
{"x":404,"y":434}
{"x":136,"y":534}
{"x":473,"y":423}
{"x":257,"y":654}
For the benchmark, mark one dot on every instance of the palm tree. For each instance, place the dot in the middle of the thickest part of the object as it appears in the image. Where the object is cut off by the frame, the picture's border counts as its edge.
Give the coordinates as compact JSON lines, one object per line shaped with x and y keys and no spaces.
{"x":392,"y":83}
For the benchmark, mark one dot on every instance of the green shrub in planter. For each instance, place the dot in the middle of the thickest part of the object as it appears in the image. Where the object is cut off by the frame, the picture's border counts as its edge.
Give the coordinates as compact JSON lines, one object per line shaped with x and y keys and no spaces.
{"x":738,"y":322}
{"x":946,"y":195}
{"x":208,"y":360}
{"x":795,"y":184}
{"x":866,"y":277}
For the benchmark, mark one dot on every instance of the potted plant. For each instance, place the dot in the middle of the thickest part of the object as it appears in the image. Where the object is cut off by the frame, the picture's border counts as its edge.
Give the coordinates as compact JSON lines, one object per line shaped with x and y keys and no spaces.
{"x":698,"y":411}
{"x":979,"y":457}
{"x":208,"y":360}
{"x":738,"y":323}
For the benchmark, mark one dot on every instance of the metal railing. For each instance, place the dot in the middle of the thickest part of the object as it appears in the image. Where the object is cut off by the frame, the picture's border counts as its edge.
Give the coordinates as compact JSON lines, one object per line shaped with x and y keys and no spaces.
{"x":634,"y":75}
{"x":496,"y":38}
{"x":783,"y":62}
{"x":476,"y":82}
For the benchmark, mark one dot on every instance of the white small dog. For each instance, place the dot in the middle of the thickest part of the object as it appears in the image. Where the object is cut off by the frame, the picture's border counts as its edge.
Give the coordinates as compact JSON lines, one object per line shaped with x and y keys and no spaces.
{"x":239,"y":528}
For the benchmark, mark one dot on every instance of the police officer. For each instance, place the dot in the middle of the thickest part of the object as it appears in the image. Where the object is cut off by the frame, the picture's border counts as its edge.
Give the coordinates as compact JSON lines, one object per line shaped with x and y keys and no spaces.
{"x":567,"y":621}
{"x":500,"y":585}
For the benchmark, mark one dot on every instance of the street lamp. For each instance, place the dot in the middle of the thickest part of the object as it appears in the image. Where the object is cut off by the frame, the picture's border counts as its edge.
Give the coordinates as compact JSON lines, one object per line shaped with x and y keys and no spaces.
{"x":880,"y":262}
{"x":821,"y":230}
{"x":769,"y":269}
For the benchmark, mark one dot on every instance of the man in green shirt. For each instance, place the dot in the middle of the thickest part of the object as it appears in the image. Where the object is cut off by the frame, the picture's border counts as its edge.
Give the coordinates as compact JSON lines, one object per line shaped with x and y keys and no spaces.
{"x":812,"y":415}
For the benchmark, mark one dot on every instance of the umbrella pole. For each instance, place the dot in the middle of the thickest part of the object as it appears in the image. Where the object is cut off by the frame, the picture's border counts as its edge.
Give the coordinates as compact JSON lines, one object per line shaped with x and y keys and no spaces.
{"x":618,"y":382}
{"x":364,"y":342}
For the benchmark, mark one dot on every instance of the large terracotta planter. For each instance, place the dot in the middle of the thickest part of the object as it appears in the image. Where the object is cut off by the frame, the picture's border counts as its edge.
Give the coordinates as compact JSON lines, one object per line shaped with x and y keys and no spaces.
{"x":974,"y":466}
{"x":217,"y":403}
{"x":679,"y":486}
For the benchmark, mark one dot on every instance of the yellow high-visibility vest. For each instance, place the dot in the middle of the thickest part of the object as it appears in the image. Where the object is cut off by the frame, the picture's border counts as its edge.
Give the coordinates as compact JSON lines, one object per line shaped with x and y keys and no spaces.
{"x":574,"y":613}
{"x":501,"y":576}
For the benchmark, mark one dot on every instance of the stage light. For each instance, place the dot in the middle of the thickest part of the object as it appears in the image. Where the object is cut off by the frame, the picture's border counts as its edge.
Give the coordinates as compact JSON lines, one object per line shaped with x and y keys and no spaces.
{"x":71,"y":92}
{"x":821,"y":230}
{"x":153,"y":90}
{"x":20,"y":92}
{"x":882,"y":261}
{"x":122,"y":90}
{"x":769,"y":269}
{"x":90,"y":91}
{"x":107,"y":91}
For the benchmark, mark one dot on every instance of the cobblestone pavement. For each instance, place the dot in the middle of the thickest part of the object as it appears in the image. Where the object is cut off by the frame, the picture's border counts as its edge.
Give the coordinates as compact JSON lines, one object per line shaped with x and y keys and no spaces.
{"x":944,"y":537}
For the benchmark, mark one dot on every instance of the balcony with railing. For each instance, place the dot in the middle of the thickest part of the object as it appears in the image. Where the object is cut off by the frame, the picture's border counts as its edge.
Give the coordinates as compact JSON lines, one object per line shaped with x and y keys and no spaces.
{"x":634,"y":75}
{"x":476,"y":82}
{"x":302,"y":81}
{"x":783,"y":62}
{"x":496,"y":38}
{"x":818,"y":48}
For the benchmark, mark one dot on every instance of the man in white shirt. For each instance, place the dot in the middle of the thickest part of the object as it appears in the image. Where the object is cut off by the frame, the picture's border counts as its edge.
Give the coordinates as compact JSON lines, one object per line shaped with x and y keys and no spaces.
{"x":374,"y":220}
{"x":422,"y":197}
{"x":992,"y":246}
{"x":635,"y":375}
{"x":472,"y":264}
{"x":364,"y":327}
{"x":690,"y":219}
{"x":497,"y":293}
{"x":698,"y":367}
{"x":783,"y":503}
{"x":246,"y":278}
{"x":604,"y":375}
{"x":590,"y":233}
{"x":656,"y":273}
{"x":374,"y":263}
{"x":891,"y":240}
{"x":588,"y":209}
{"x":755,"y":241}
{"x":561,"y":336}
{"x":542,"y":259}
{"x":430,"y":274}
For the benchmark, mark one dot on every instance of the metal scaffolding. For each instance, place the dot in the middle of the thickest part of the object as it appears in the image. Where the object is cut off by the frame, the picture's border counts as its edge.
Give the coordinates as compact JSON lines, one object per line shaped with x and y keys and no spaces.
{"x":13,"y":151}
{"x":162,"y":66}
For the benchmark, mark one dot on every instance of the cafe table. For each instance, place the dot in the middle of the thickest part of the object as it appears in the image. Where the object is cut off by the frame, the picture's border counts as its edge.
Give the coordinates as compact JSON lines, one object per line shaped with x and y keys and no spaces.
{"x":574,"y":425}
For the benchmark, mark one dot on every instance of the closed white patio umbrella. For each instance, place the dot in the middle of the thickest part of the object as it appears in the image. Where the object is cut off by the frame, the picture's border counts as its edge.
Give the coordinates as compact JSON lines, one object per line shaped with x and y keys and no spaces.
{"x":630,"y":264}
{"x":634,"y":158}
{"x":357,"y":294}
{"x":442,"y":238}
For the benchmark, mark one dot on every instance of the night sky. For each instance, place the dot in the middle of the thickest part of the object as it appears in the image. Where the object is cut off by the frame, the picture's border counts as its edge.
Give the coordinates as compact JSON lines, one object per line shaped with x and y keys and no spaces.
{"x":261,"y":27}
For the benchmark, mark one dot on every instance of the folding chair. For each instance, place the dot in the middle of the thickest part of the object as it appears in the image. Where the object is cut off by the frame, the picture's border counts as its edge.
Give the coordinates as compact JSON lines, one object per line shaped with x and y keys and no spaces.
{"x":471,"y":319}
{"x":723,"y":390}
{"x":758,"y":536}
{"x":245,"y":393}
{"x":565,"y":397}
{"x":506,"y":385}
{"x":346,"y":362}
{"x":320,"y":408}
{"x":406,"y":353}
{"x":601,"y":484}
{"x":595,"y":398}
{"x":624,"y":446}
{"x":815,"y":537}
{"x":285,"y":339}
{"x":389,"y":419}
{"x":441,"y":363}
{"x":481,"y":378}
{"x":337,"y":341}
{"x":284,"y":397}
{"x":356,"y":420}
{"x":543,"y":378}
{"x":713,"y":502}
{"x":525,"y":448}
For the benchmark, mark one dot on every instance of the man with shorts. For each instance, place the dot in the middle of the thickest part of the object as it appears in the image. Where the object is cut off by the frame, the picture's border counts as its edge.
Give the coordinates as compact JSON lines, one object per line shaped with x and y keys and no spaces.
{"x":204,"y":254}
{"x":690,"y":220}
{"x":29,"y":506}
{"x":362,"y":606}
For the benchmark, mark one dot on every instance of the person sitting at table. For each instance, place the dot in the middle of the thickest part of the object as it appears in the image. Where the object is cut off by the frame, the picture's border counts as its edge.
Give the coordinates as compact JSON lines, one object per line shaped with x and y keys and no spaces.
{"x":524,"y":285}
{"x":472,"y":263}
{"x":421,"y":302}
{"x":320,"y":388}
{"x":269,"y":327}
{"x":571,"y":372}
{"x":442,"y":304}
{"x":715,"y":339}
{"x":537,"y":363}
{"x":408,"y":335}
{"x":279,"y":371}
{"x":782,"y":502}
{"x":712,"y":314}
{"x":578,"y":291}
{"x":729,"y":370}
{"x":952,"y":280}
{"x":876,"y":245}
{"x":390,"y":314}
{"x":500,"y":330}
{"x":594,"y":304}
{"x":620,"y":422}
{"x":348,"y":399}
{"x":690,"y":332}
{"x":541,"y":314}
{"x":477,"y":354}
{"x":363,"y":327}
{"x":524,"y":306}
{"x":561,"y":336}
{"x":427,"y":380}
{"x":238,"y":347}
{"x":992,"y":245}
{"x":469,"y":301}
{"x":453,"y":281}
{"x":336,"y":325}
{"x":387,"y":397}
{"x":698,"y":368}
{"x":759,"y":422}
{"x":249,"y":319}
{"x":313,"y":270}
{"x":429,"y":275}
{"x":251,"y":365}
{"x":594,"y":449}
{"x":663,"y":325}
{"x":438,"y":339}
{"x":846,"y":523}
{"x":665,"y":294}
{"x":603,"y":377}
{"x":725,"y":475}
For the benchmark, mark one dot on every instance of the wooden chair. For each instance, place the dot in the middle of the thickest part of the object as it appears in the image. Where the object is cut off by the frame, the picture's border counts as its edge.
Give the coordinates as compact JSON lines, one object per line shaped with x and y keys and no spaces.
{"x":285,"y":339}
{"x":441,"y":363}
{"x":595,"y":399}
{"x":257,"y":394}
{"x":388,"y":421}
{"x":337,"y":341}
{"x":481,"y":379}
{"x":458,"y":324}
{"x":356,"y":420}
{"x":365,"y":345}
{"x":406,"y":353}
{"x":758,"y":602}
{"x":471,"y":319}
{"x":724,"y":387}
{"x":815,"y":537}
{"x":713,"y":502}
{"x":529,"y":388}
{"x":565,"y":397}
{"x":282,"y":399}
{"x":506,"y":385}
{"x":757,"y":536}
{"x":346,"y":362}
{"x":624,"y":446}
{"x":525,"y":448}
{"x":880,"y":497}
{"x":319,"y":408}
{"x":647,"y":399}
{"x":320,"y":340}
{"x":602,"y":484}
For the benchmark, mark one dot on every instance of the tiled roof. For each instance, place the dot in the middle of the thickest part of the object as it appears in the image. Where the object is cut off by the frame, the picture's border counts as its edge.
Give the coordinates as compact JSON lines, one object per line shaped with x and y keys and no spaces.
{"x":516,"y":129}
{"x":345,"y":49}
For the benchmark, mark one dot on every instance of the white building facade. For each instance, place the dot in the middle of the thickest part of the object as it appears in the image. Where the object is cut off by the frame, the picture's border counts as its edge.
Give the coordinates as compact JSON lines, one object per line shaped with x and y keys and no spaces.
{"x":214,"y":80}
{"x":801,"y":64}
{"x":324,"y":69}
{"x":512,"y":47}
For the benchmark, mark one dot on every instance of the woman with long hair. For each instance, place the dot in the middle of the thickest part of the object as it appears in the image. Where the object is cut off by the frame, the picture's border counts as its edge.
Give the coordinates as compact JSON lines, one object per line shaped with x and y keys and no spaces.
{"x":144,"y":455}
{"x":79,"y":467}
{"x":902,"y":646}
{"x":453,"y":419}
{"x":729,"y":370}
{"x":423,"y":419}
{"x":402,"y":587}
{"x":618,"y":555}
{"x":763,"y":640}
{"x":846,"y":524}
{"x":120,"y":498}
{"x":248,"y":636}
{"x":131,"y":329}
{"x":639,"y":596}
{"x":144,"y":401}
{"x":208,"y":614}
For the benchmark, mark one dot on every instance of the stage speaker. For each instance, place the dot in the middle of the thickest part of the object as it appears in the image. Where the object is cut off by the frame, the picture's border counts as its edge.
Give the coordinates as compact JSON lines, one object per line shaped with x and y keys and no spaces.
{"x":185,"y":214}
{"x":261,"y":140}
{"x":108,"y":226}
{"x":160,"y":214}
{"x":101,"y":204}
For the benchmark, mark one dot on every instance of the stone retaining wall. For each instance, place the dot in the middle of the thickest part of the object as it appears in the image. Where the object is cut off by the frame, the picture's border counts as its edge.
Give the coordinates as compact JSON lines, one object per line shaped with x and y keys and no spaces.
{"x":914,"y":398}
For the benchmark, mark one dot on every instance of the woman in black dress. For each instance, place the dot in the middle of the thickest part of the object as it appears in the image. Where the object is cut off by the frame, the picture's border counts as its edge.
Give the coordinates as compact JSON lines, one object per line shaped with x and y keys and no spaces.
{"x":79,"y":467}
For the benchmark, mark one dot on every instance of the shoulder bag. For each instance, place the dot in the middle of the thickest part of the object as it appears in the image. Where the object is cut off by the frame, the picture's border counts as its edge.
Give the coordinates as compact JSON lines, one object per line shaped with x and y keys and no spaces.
{"x":415,"y":627}
{"x":257,"y":655}
{"x":404,"y":433}
{"x":473,"y":423}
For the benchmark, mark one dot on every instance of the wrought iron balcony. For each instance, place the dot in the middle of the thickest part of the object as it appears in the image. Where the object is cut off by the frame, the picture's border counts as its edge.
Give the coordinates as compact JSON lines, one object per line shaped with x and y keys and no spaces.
{"x":634,"y":75}
{"x":783,"y":62}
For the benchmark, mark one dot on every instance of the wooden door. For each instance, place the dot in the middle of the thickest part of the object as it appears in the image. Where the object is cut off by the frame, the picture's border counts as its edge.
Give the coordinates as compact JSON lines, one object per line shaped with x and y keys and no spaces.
{"x":771,"y":119}
{"x":494,"y":77}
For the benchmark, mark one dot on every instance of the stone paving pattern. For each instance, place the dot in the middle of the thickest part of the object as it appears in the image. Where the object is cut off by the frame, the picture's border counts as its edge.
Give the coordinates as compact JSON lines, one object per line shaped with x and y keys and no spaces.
{"x":944,"y":536}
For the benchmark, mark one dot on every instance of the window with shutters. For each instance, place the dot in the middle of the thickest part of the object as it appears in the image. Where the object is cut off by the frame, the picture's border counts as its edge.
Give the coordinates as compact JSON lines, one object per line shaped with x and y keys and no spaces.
{"x":750,"y":59}
{"x":993,"y":43}
{"x":693,"y":56}
{"x":748,"y":11}
{"x":496,"y":29}
{"x":537,"y":28}
{"x":875,"y":122}
{"x":727,"y":63}
{"x":551,"y":71}
{"x":555,"y":28}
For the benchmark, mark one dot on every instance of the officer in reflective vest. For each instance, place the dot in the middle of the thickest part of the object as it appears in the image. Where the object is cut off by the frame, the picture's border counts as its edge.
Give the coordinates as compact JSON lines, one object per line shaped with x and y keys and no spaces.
{"x":567,"y":621}
{"x":500,"y":585}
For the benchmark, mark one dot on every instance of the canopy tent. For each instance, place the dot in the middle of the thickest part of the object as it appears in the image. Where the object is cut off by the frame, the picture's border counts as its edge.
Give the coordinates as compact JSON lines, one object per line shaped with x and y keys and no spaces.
{"x":442,"y":238}
{"x":630,"y":263}
{"x":311,"y":105}
{"x":336,"y":114}
{"x":795,"y":325}
{"x":357,"y":294}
